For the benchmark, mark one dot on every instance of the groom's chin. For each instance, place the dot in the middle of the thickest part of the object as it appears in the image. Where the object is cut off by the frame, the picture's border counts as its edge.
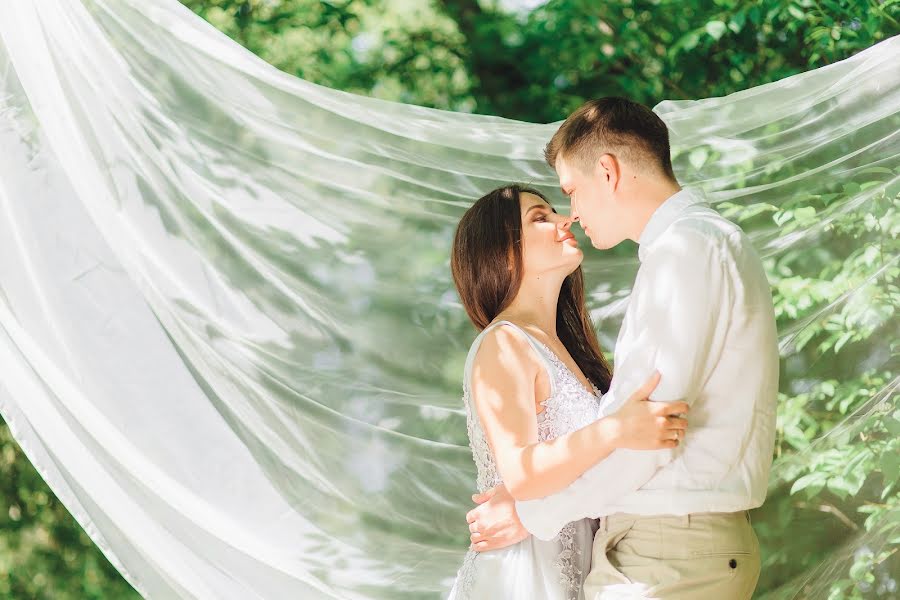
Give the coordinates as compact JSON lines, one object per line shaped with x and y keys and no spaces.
{"x":604,"y":243}
{"x":601,"y":245}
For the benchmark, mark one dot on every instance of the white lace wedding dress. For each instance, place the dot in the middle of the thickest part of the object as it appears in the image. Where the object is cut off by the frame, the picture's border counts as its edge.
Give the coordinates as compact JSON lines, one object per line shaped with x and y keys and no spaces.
{"x":533,"y":568}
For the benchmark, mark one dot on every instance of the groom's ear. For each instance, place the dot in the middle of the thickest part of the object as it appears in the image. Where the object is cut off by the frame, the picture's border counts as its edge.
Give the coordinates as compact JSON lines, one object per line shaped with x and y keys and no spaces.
{"x":609,"y":169}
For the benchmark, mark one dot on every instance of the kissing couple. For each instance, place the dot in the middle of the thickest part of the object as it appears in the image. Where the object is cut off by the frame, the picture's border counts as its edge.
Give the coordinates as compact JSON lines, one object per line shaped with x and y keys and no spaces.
{"x":633,"y":482}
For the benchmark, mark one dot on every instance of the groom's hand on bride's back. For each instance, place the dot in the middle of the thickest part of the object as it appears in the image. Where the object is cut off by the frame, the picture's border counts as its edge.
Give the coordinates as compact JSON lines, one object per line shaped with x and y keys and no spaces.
{"x":494,"y":523}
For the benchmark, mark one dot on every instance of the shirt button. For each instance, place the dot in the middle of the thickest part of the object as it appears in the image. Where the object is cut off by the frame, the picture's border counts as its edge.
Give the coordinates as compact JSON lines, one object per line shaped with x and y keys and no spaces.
{"x":732,"y":563}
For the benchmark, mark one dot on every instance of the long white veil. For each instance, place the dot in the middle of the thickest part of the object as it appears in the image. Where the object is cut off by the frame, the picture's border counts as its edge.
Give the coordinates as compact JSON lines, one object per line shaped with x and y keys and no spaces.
{"x":229,"y":340}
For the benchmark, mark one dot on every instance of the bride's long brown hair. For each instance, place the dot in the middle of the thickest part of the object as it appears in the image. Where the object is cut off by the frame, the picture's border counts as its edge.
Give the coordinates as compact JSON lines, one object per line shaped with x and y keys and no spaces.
{"x":486,"y":262}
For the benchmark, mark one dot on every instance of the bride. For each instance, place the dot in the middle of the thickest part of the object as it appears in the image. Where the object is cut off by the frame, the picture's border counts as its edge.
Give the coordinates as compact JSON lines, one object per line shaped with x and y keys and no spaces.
{"x":532,"y":384}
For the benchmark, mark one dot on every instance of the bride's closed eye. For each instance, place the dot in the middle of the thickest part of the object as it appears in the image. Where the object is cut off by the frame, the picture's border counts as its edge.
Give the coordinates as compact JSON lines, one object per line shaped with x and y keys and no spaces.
{"x":542,"y":216}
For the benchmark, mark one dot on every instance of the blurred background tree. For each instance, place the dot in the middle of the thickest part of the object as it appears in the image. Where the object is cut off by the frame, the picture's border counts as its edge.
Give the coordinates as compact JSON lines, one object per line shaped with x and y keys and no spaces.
{"x":498,"y":58}
{"x":536,"y":61}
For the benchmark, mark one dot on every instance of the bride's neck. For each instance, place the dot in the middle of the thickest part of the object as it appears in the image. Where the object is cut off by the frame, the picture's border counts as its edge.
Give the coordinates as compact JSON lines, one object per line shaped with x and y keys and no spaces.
{"x":536,"y":304}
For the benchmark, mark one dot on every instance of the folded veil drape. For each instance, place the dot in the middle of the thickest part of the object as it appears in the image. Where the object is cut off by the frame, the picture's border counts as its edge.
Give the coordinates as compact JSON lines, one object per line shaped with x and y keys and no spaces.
{"x":229,"y":341}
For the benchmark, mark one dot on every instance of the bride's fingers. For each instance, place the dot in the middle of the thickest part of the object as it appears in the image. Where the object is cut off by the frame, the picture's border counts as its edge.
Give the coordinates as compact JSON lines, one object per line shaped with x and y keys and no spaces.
{"x":676,"y":423}
{"x":671,"y":408}
{"x":670,"y":438}
{"x":484,"y":497}
{"x":476,"y":537}
{"x":645,"y":390}
{"x":473,"y":527}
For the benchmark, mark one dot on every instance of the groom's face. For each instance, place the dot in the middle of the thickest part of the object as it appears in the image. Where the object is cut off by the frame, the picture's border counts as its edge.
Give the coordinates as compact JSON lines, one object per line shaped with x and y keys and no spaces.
{"x":591,"y":195}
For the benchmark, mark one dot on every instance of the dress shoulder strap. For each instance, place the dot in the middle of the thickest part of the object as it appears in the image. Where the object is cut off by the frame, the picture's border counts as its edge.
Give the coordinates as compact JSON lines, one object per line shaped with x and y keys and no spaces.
{"x":535,"y":345}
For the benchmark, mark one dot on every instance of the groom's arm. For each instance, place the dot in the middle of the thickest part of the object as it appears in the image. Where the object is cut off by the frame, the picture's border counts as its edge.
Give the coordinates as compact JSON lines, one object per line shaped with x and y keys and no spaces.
{"x":683,"y":308}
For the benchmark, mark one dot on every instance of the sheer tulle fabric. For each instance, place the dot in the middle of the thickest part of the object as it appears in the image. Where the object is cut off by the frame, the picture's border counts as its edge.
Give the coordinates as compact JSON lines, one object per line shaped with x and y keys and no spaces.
{"x":228,"y":335}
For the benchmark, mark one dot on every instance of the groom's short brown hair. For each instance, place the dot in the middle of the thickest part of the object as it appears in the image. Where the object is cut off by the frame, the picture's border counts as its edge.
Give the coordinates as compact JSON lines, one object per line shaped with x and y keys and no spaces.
{"x":614,"y":125}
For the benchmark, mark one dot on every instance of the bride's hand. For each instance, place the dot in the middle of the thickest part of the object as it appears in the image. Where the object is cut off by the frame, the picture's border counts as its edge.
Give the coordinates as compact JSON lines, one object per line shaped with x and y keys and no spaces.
{"x":494,"y":523}
{"x":642,"y":424}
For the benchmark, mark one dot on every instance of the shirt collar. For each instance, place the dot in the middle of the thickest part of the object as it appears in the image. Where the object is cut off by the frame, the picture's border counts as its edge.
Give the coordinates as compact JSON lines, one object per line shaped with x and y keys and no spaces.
{"x":665,"y":215}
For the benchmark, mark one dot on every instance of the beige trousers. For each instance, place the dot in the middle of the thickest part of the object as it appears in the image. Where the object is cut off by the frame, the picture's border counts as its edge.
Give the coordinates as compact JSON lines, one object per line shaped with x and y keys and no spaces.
{"x":703,"y":556}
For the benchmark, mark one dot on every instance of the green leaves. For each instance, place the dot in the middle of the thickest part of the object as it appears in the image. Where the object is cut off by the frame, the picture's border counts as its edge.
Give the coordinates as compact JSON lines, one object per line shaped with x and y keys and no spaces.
{"x":839,"y":423}
{"x":43,"y":551}
{"x":812,"y":483}
{"x":716,"y":29}
{"x":892,"y":424}
{"x":835,"y":290}
{"x":698,"y":157}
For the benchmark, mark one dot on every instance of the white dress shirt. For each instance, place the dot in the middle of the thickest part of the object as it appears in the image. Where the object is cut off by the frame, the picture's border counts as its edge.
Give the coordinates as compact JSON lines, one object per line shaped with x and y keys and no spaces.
{"x":701,"y":313}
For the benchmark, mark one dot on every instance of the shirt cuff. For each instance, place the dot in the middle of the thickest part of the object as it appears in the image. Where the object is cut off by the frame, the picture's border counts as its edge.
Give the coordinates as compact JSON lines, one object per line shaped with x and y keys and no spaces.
{"x":536,"y":519}
{"x":605,"y":406}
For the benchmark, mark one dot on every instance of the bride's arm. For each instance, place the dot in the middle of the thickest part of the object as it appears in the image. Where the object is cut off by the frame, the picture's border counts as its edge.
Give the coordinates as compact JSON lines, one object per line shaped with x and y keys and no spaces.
{"x":503,"y":391}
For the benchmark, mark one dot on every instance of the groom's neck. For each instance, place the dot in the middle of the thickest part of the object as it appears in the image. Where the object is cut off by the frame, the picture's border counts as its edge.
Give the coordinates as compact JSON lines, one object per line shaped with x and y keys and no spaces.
{"x":645,"y":197}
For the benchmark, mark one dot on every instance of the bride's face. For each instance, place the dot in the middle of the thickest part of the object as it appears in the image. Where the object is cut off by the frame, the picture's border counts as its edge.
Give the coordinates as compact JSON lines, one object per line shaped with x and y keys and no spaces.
{"x":547,"y":244}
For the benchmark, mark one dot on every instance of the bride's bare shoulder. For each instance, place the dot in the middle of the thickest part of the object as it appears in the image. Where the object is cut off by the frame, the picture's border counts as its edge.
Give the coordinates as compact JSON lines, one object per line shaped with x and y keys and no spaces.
{"x":504,"y":352}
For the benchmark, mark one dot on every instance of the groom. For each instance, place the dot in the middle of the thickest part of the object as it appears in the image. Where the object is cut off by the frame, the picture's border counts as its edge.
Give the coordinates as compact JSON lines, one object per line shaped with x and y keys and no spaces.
{"x":673,"y":523}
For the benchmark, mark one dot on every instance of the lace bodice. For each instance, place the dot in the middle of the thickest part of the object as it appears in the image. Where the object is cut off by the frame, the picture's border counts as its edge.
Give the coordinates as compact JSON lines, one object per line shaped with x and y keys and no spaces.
{"x":569,"y":407}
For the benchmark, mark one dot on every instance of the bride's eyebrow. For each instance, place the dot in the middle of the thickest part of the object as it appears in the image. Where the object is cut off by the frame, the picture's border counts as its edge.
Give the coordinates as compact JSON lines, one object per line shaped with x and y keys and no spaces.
{"x":530,"y":208}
